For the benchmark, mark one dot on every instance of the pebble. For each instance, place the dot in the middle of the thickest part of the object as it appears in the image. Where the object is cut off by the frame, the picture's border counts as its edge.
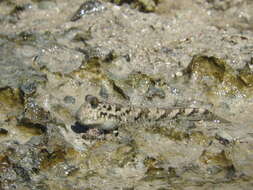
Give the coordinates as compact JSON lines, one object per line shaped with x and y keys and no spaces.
{"x":46,"y":5}
{"x":3,"y":131}
{"x":28,"y":88}
{"x":69,"y":100}
{"x":224,"y":137}
{"x":88,"y":7}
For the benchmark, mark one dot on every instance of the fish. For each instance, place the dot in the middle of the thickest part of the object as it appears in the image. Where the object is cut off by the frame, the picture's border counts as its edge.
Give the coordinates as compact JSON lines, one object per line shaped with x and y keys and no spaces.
{"x":96,"y":113}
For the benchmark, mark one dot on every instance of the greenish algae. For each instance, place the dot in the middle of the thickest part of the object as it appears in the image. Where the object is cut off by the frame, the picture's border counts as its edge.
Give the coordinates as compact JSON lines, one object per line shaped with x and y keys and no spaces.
{"x":218,"y":77}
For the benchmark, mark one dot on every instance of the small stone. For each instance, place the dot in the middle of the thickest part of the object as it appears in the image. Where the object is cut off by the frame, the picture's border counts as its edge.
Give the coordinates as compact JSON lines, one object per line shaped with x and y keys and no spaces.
{"x":214,"y":170}
{"x":223,"y":137}
{"x":179,"y":74}
{"x":34,"y":116}
{"x":242,"y":157}
{"x":22,"y":172}
{"x":83,"y":37}
{"x":28,"y":88}
{"x":127,"y":57}
{"x":174,"y":91}
{"x":153,"y":91}
{"x":46,"y":5}
{"x":103,"y":92}
{"x":88,"y":7}
{"x":3,"y":131}
{"x":69,"y":100}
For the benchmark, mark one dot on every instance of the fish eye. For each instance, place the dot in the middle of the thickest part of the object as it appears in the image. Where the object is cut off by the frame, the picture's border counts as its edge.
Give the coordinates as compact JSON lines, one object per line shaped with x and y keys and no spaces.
{"x":92,"y":100}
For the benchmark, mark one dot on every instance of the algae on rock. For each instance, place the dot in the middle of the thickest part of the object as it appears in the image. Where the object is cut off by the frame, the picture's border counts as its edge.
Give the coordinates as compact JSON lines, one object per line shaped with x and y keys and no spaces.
{"x":216,"y":75}
{"x":142,"y":5}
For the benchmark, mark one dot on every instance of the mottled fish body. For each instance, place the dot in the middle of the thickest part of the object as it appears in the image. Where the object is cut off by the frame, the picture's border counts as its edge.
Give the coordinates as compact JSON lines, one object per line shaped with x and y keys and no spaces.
{"x":111,"y":115}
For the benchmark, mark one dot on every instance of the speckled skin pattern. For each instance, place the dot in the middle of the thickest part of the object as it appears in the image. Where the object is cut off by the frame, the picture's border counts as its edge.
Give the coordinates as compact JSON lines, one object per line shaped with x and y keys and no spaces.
{"x":110,"y":115}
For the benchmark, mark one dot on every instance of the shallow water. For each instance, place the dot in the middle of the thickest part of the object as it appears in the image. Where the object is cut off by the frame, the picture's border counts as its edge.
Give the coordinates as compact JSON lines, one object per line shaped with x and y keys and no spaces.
{"x":195,"y":54}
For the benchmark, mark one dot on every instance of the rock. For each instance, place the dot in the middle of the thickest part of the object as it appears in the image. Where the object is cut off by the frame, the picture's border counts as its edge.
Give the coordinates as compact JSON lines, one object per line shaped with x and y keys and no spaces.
{"x":69,"y":100}
{"x":28,"y":88}
{"x":46,"y":4}
{"x":142,"y":5}
{"x":3,"y":131}
{"x":22,"y":72}
{"x":126,"y":55}
{"x":241,"y":154}
{"x":103,"y":92}
{"x":224,"y":137}
{"x":90,"y":6}
{"x":216,"y":74}
{"x":11,"y":102}
{"x":83,"y":37}
{"x":59,"y":60}
{"x":246,"y":74}
{"x":34,"y":116}
{"x":155,"y":92}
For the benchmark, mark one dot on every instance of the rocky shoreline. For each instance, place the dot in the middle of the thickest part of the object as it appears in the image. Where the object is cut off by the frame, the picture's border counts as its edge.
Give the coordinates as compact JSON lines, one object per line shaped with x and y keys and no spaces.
{"x":154,"y":55}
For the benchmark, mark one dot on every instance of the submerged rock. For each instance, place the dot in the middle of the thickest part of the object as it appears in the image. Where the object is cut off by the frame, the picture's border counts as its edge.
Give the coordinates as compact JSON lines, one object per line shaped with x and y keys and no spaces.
{"x":34,"y":116}
{"x":21,"y":163}
{"x":3,"y":131}
{"x":90,"y":6}
{"x":46,"y":4}
{"x":69,"y":100}
{"x":153,"y":128}
{"x":217,"y":75}
{"x":246,"y":74}
{"x":14,"y":72}
{"x":11,"y":102}
{"x":155,"y":92}
{"x":28,"y":88}
{"x":224,"y":137}
{"x":241,"y":153}
{"x":142,"y":5}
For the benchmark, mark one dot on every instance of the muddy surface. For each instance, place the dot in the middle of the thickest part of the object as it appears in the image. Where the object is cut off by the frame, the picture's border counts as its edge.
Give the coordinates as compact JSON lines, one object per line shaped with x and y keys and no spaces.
{"x":127,"y":95}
